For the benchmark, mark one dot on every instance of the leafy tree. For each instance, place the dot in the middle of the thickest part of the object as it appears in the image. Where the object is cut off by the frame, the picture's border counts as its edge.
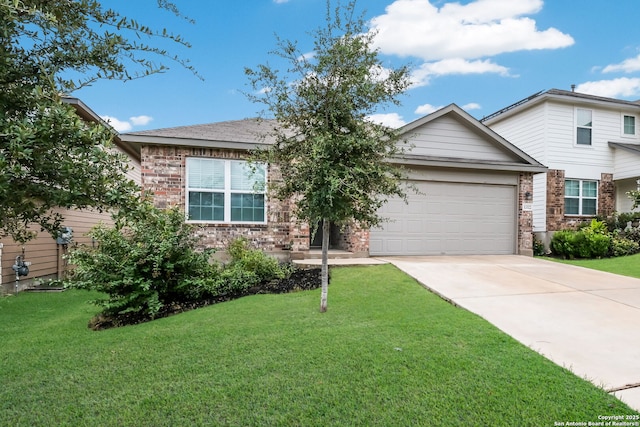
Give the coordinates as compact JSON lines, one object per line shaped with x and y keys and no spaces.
{"x":49,"y":157}
{"x":335,"y":166}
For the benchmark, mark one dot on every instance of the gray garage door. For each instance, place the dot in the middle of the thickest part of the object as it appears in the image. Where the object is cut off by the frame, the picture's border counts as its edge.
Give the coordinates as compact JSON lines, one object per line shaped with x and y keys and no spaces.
{"x":449,"y":219}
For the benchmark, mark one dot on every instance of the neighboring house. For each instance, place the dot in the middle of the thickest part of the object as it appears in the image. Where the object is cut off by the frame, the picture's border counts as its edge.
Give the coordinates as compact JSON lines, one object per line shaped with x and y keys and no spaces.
{"x":591,"y":145}
{"x":43,"y":252}
{"x":474,"y":189}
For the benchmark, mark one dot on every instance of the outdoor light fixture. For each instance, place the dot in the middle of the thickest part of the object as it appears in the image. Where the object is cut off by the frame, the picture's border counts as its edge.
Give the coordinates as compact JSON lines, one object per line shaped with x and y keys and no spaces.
{"x":527,"y":195}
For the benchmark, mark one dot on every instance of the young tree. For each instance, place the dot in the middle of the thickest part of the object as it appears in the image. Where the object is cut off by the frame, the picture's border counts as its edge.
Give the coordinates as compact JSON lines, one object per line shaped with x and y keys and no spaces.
{"x":49,"y":158}
{"x":336,"y":163}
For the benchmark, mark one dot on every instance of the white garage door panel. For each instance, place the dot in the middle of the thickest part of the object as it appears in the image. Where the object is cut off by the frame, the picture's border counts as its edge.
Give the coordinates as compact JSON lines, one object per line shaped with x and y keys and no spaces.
{"x":449,"y":218}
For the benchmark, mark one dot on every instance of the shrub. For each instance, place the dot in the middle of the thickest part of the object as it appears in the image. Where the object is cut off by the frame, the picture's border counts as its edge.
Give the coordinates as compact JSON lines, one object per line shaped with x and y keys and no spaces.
{"x":621,"y":245}
{"x":149,"y":259}
{"x":538,"y":247}
{"x":591,"y":241}
{"x":245,"y":258}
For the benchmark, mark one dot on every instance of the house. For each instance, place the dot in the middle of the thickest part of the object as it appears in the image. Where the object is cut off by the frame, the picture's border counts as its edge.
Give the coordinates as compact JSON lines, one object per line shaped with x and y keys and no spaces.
{"x":591,"y":145}
{"x":45,"y":253}
{"x":474,"y":189}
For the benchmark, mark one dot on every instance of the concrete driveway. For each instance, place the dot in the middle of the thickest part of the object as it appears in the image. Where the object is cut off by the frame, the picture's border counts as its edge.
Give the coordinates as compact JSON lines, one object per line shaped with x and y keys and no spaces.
{"x":584,"y":320}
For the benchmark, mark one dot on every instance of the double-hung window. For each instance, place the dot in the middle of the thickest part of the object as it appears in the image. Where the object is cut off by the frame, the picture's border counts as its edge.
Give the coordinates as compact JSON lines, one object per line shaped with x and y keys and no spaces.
{"x":628,"y":125}
{"x":225,"y":191}
{"x":584,"y":126}
{"x":580,"y":197}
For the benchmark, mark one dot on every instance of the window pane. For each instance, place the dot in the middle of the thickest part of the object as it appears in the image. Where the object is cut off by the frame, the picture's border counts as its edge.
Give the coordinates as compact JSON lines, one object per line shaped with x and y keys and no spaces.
{"x":247,"y":178}
{"x":571,"y":206}
{"x":588,"y":206}
{"x":572,"y":188}
{"x":584,"y":136}
{"x":584,"y":118}
{"x":206,"y":206}
{"x":589,"y":189}
{"x":247,"y":207}
{"x":205,"y":173}
{"x":629,"y":125}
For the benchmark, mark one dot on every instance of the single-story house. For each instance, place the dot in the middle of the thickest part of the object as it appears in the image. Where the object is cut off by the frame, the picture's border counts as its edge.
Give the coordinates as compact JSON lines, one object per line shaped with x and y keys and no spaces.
{"x":475,"y":189}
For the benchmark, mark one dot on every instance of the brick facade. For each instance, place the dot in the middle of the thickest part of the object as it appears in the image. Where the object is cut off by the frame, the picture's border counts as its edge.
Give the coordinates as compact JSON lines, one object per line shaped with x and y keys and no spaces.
{"x":606,"y":195}
{"x":525,"y":217}
{"x":555,"y":200}
{"x":556,"y":219}
{"x":164,"y":175}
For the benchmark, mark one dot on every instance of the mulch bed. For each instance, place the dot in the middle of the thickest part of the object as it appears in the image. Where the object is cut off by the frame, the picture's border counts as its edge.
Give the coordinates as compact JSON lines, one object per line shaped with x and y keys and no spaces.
{"x":300,"y":280}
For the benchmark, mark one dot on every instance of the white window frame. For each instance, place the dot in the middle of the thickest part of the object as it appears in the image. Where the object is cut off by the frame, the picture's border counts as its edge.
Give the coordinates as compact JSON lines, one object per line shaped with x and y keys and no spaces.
{"x":227,"y":191}
{"x":635,"y":126}
{"x":578,"y":126}
{"x":581,"y":198}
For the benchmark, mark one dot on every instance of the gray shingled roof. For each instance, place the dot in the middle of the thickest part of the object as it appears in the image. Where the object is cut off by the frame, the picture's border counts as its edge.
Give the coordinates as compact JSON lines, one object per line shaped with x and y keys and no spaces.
{"x":592,"y":97}
{"x":558,"y":92}
{"x":247,"y":131}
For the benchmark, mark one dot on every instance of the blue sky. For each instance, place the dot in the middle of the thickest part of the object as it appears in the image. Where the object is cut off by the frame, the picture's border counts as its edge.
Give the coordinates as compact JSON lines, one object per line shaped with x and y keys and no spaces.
{"x":480,"y":54}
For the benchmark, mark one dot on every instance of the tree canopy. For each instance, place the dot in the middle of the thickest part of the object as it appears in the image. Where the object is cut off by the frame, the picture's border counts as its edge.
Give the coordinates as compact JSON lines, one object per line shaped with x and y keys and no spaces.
{"x":336,"y":166}
{"x":49,"y":157}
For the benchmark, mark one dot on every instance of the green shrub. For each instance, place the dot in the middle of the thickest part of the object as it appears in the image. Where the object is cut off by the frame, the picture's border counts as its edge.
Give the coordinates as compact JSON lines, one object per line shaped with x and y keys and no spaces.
{"x":563,"y":244}
{"x":538,"y":247}
{"x":591,"y":241}
{"x":148,"y":260}
{"x":621,"y":245}
{"x":265,"y":267}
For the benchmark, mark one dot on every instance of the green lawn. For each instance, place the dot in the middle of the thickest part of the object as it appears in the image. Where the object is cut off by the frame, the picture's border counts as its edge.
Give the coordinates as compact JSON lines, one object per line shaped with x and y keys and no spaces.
{"x":625,"y":265}
{"x":387,"y":353}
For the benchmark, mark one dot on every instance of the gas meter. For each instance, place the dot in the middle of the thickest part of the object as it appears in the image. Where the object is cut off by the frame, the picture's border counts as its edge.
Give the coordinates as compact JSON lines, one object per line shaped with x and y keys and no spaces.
{"x":64,"y":236}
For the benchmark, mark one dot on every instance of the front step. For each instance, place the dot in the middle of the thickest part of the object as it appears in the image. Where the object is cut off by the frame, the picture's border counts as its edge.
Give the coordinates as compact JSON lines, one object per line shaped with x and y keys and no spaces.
{"x":333,"y":254}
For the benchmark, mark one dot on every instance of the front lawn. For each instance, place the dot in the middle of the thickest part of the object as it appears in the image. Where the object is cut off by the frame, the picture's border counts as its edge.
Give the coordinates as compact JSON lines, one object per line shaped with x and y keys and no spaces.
{"x":625,"y":265}
{"x":387,"y":353}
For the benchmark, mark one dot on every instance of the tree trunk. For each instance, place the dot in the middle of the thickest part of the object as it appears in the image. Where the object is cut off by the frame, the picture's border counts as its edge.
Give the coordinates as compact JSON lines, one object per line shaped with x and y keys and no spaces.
{"x":326,"y":230}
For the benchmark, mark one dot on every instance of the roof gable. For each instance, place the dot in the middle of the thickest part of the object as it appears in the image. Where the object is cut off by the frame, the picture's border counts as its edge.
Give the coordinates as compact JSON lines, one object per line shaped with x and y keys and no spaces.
{"x":451,"y":135}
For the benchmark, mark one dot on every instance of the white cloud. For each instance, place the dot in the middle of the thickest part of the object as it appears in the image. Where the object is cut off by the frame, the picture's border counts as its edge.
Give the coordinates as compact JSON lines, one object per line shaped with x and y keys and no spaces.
{"x":478,"y":29}
{"x":471,"y":106}
{"x":616,"y":88}
{"x":422,"y":75}
{"x":427,"y":109}
{"x":127,"y":125}
{"x":280,"y":1}
{"x":307,"y":56}
{"x":119,"y":125}
{"x":140,"y":120}
{"x":627,"y":66}
{"x":392,"y":120}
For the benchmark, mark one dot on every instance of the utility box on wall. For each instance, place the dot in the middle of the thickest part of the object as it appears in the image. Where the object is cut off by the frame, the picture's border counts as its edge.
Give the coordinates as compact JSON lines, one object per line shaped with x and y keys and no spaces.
{"x":65,"y":236}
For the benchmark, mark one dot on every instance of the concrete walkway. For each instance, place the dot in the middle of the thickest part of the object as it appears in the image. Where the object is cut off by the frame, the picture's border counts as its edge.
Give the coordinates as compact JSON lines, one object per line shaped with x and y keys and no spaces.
{"x":584,"y":320}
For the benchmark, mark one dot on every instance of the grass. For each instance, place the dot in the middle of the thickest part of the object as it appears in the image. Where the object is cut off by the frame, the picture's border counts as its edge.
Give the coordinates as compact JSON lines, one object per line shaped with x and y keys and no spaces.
{"x":387,"y":353}
{"x":626,"y":265}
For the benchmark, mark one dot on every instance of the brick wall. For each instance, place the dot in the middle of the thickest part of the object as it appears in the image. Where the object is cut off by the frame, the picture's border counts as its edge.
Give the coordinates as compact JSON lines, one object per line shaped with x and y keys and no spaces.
{"x":525,"y":218}
{"x":556,"y":219}
{"x":164,"y":174}
{"x":606,"y":195}
{"x":353,"y":238}
{"x":555,"y":200}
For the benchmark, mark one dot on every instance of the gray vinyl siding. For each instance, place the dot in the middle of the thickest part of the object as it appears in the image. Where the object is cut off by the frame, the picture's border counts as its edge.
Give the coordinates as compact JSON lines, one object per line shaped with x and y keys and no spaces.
{"x":449,"y":138}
